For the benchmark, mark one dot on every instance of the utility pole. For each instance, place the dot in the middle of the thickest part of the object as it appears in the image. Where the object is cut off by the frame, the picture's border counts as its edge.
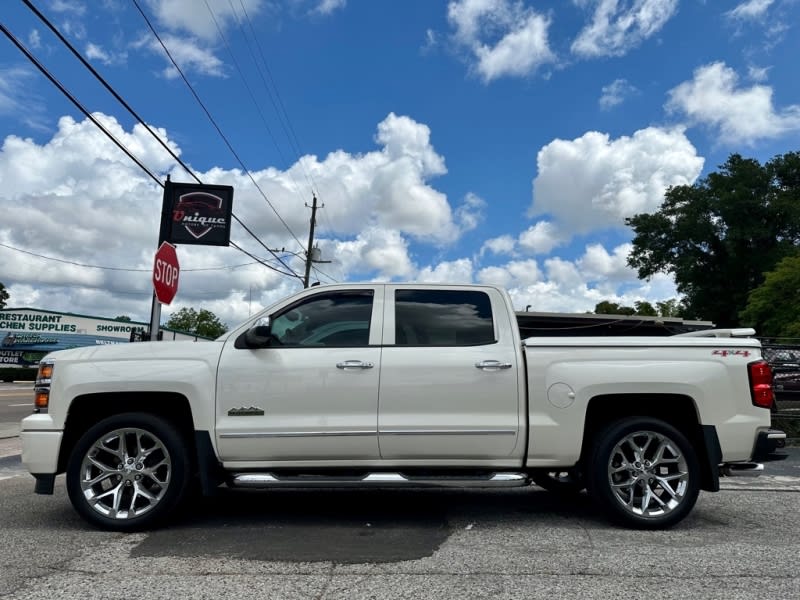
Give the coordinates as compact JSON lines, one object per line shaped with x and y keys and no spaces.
{"x":310,"y":241}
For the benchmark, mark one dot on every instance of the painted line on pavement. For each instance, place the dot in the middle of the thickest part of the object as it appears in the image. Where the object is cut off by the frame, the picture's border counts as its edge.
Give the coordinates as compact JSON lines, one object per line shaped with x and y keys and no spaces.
{"x":26,"y":404}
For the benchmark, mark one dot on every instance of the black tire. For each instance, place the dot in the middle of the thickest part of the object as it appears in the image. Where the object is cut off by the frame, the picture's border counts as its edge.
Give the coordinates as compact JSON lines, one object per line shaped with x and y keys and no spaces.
{"x":643,"y":473}
{"x":564,"y":482}
{"x":128,"y":472}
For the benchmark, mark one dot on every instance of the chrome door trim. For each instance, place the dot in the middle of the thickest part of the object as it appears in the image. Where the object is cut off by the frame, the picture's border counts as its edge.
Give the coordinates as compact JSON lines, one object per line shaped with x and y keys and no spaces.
{"x":292,"y":434}
{"x":447,"y":432}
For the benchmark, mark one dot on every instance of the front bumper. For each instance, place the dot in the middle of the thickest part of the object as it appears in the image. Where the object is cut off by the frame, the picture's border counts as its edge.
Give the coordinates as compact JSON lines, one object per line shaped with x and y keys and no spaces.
{"x":40,"y":450}
{"x":767,"y":449}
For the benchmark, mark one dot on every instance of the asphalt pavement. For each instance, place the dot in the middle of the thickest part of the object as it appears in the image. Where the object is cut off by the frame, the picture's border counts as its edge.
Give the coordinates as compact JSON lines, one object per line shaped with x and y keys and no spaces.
{"x":354,"y":544}
{"x":742,"y":542}
{"x":16,"y":403}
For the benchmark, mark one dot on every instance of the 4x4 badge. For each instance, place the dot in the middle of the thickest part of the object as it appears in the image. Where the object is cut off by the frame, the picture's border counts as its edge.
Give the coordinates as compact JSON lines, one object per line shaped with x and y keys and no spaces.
{"x":250,"y":411}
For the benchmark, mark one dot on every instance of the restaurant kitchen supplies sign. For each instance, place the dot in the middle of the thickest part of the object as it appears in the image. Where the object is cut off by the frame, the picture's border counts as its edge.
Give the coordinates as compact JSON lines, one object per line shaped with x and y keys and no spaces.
{"x":197,"y":214}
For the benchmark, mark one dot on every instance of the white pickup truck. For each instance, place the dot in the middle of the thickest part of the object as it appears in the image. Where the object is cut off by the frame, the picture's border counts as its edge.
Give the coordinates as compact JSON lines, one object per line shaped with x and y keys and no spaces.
{"x":400,"y":385}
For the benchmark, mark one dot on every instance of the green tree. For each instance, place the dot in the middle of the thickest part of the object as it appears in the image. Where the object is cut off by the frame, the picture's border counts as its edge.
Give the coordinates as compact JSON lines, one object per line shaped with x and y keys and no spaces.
{"x":719,"y":236}
{"x":670,"y":308}
{"x":125,"y":318}
{"x":606,"y":307}
{"x":773,"y":308}
{"x":640,"y":307}
{"x":645,"y":309}
{"x":3,"y":296}
{"x":204,"y":323}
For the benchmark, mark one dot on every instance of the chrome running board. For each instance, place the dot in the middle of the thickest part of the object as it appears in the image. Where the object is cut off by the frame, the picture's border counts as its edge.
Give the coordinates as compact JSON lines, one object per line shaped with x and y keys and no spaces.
{"x":273,"y":480}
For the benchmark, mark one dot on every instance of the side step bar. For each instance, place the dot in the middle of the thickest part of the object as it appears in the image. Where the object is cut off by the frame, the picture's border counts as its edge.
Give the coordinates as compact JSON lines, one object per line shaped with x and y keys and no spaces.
{"x":273,"y":480}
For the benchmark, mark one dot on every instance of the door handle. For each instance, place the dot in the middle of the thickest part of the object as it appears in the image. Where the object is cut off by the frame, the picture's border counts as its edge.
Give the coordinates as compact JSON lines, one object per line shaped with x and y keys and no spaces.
{"x":354,"y":364}
{"x":492,"y":365}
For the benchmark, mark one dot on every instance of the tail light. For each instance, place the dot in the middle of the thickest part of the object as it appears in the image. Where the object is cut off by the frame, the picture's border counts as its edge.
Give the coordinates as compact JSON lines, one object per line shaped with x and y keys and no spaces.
{"x":760,"y":376}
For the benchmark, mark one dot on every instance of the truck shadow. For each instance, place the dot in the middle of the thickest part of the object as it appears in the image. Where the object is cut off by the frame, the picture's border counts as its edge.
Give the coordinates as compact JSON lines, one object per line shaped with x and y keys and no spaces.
{"x":350,"y":526}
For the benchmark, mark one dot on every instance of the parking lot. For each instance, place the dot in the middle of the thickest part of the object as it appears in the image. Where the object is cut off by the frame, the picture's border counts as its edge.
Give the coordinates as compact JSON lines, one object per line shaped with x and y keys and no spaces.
{"x":522,"y":543}
{"x":519,"y":543}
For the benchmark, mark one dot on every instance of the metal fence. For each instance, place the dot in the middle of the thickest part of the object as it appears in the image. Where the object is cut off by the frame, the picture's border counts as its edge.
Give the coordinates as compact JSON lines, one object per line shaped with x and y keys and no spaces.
{"x":784,"y":358}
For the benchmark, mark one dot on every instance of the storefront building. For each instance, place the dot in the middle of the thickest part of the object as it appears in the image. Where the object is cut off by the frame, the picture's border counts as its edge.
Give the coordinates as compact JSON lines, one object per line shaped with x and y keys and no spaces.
{"x":27,"y":334}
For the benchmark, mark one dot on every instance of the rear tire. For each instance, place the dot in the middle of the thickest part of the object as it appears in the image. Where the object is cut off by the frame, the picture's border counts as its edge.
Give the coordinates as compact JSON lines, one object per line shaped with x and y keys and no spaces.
{"x":644,"y":473}
{"x":128,"y":472}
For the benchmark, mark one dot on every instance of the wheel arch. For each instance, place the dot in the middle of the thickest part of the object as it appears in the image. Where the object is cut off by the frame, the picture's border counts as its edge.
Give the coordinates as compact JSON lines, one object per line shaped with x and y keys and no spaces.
{"x":88,"y":409}
{"x":678,"y":410}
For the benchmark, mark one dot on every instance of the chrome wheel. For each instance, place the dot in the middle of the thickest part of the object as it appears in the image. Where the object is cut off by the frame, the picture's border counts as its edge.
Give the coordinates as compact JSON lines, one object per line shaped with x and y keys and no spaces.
{"x":125,"y":473}
{"x":648,"y":474}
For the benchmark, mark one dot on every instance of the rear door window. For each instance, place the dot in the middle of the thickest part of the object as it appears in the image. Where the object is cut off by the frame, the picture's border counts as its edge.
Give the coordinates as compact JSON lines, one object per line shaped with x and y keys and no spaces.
{"x":443,"y":318}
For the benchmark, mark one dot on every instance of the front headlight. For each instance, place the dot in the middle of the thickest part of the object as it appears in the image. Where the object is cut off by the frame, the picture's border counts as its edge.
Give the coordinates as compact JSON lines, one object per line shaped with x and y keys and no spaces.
{"x":41,"y":389}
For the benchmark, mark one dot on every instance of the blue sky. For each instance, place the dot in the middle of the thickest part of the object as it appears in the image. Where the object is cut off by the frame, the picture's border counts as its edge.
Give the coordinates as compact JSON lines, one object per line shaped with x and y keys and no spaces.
{"x":493,"y":141}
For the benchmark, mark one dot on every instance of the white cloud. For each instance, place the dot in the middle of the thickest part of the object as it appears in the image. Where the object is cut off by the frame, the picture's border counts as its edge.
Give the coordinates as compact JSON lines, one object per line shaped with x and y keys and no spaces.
{"x":503,"y":244}
{"x":752,"y":9}
{"x":18,"y":99}
{"x":374,"y":250}
{"x":598,"y":264}
{"x":618,"y":26}
{"x":35,"y":39}
{"x":57,"y":206}
{"x":456,"y":271}
{"x":431,"y":41}
{"x":68,"y":6}
{"x":615,"y":93}
{"x":505,"y":38}
{"x":194,"y":18}
{"x":594,"y":182}
{"x":470,"y":214}
{"x":95,"y":52}
{"x":98,"y":53}
{"x":740,"y":115}
{"x":541,"y":238}
{"x":189,"y":55}
{"x":758,"y":74}
{"x":326,"y":7}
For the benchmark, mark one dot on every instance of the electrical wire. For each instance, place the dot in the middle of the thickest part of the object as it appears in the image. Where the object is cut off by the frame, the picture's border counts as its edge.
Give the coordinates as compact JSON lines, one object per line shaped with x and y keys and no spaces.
{"x":77,"y":264}
{"x":214,"y":123}
{"x":250,"y":91}
{"x":108,"y":86}
{"x":75,"y":101}
{"x":105,"y":84}
{"x":254,"y":257}
{"x":280,"y":109}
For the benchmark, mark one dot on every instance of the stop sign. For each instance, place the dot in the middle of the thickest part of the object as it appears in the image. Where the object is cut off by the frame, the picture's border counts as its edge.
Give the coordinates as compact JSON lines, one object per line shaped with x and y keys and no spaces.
{"x":165,"y":273}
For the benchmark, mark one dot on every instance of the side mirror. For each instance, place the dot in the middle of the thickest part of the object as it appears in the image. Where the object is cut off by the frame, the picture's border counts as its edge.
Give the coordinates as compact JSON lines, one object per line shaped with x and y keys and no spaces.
{"x":258,"y":336}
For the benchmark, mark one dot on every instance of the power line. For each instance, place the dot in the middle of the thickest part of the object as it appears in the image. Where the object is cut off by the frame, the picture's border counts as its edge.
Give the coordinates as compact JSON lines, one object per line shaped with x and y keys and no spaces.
{"x":108,"y":86}
{"x":254,"y":257}
{"x":213,"y":122}
{"x":249,"y":89}
{"x":290,"y":133}
{"x":77,"y":264}
{"x":75,"y":101}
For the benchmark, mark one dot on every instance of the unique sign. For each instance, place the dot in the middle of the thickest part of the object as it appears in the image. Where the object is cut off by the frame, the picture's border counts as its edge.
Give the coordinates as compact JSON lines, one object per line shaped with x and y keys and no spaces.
{"x":198,"y":214}
{"x":165,"y":273}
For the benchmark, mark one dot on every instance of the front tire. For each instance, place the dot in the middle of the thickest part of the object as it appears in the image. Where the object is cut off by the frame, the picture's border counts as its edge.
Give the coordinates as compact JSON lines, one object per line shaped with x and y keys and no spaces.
{"x":128,"y":472}
{"x":644,"y":473}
